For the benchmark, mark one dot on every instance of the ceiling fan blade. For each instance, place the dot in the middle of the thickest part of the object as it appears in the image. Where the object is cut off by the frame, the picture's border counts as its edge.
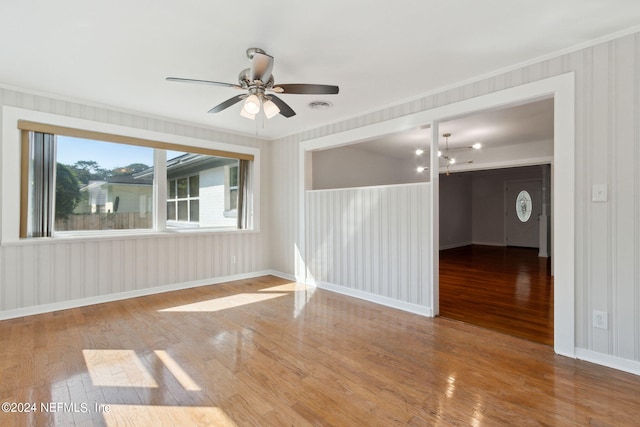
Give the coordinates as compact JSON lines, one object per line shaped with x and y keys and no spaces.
{"x":285,"y":110}
{"x":203,"y":82}
{"x":261,"y":66}
{"x":307,"y":89}
{"x":228,"y":103}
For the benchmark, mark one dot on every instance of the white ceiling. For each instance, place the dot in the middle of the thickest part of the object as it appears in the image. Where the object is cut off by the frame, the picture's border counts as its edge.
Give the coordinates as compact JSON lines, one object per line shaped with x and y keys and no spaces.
{"x":118,"y":53}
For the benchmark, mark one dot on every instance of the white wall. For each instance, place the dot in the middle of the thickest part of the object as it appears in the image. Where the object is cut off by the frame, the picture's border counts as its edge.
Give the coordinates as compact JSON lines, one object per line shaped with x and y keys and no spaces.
{"x":371,"y":242}
{"x":351,"y":166}
{"x":45,"y":273}
{"x":607,"y":238}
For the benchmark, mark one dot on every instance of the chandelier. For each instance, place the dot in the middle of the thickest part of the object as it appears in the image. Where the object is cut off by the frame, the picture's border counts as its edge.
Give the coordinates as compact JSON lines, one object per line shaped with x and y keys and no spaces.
{"x":446,"y":155}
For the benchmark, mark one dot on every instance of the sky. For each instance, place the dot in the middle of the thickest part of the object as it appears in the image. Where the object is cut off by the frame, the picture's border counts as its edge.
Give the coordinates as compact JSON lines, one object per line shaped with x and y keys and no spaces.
{"x":108,"y":155}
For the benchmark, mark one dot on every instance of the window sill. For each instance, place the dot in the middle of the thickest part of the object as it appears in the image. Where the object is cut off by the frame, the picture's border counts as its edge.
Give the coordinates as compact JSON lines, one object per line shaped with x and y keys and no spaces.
{"x":92,"y":236}
{"x":175,"y":225}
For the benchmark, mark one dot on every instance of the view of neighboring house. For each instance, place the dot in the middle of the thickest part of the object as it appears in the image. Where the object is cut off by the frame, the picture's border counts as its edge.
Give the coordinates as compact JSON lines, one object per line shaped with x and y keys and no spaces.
{"x":202,"y":191}
{"x":118,"y":194}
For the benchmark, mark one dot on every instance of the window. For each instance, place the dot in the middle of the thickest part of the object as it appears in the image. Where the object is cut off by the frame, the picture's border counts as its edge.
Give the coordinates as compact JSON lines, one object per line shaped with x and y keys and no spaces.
{"x":109,"y":185}
{"x":196,"y":190}
{"x":96,"y":185}
{"x":183,"y":201}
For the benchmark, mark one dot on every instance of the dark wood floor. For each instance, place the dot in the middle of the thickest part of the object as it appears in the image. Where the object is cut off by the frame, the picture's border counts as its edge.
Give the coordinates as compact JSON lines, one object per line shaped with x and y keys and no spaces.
{"x":269,"y":352}
{"x":505,"y":289}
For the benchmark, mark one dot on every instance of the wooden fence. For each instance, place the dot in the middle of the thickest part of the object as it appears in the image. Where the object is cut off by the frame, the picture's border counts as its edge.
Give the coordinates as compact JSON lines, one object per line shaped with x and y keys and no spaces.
{"x":105,"y":221}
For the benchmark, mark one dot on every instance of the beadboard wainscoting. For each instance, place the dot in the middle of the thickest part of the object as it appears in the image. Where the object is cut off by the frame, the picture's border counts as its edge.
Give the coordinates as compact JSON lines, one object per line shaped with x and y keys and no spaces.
{"x":372,"y":243}
{"x":607,"y":137}
{"x":39,"y":277}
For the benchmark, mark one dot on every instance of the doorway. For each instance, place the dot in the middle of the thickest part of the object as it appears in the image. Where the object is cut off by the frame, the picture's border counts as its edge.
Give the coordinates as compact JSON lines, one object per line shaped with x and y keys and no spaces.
{"x":561,"y":89}
{"x":494,"y":276}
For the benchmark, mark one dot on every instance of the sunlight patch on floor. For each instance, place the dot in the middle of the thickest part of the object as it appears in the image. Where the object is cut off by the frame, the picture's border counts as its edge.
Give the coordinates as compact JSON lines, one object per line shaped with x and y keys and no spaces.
{"x":223,"y":303}
{"x":117,"y":368}
{"x":183,"y":378}
{"x":152,"y":415}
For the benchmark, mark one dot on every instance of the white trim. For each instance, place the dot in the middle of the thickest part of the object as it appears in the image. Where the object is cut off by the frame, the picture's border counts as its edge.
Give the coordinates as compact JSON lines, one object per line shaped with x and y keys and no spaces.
{"x":626,"y":365}
{"x":562,"y":89}
{"x":287,"y":276}
{"x":64,"y":305}
{"x":434,"y":206}
{"x":304,"y":164}
{"x":368,"y":187}
{"x":563,"y":214}
{"x":91,"y":236}
{"x":284,"y":276}
{"x":377,"y":299}
{"x":160,"y":190}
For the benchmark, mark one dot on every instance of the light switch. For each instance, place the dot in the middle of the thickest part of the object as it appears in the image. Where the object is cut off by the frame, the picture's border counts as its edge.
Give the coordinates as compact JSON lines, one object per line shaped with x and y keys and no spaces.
{"x":599,"y":193}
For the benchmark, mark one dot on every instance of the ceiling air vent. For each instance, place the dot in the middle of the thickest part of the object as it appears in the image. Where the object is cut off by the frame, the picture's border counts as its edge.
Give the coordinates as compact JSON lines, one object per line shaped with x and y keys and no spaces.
{"x":320,"y":105}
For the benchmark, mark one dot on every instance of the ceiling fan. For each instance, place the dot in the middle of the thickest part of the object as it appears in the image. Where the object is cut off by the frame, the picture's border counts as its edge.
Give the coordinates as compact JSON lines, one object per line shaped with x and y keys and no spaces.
{"x":258,"y":84}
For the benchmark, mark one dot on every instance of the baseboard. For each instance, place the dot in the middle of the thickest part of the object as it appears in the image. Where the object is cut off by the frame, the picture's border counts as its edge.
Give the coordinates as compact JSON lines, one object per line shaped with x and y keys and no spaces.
{"x":626,"y":365}
{"x":488,"y":243}
{"x":455,"y":245}
{"x":285,"y":276}
{"x":377,"y":299}
{"x":460,"y":245}
{"x":64,"y":305}
{"x":389,"y":302}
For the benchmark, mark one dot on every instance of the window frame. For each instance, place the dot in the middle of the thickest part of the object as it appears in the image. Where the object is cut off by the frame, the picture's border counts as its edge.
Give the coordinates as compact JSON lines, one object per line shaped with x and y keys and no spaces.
{"x":17,"y":123}
{"x":229,"y":211}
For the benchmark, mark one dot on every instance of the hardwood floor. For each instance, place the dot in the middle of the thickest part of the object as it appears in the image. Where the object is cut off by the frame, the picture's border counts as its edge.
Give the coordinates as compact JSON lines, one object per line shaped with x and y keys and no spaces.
{"x":272,"y":353}
{"x":505,"y":289}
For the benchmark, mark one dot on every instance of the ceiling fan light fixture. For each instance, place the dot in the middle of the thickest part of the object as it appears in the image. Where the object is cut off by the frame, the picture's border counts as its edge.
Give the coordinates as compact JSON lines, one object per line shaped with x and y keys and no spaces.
{"x":270,"y":108}
{"x":452,"y":161}
{"x":252,"y":105}
{"x":244,"y":113}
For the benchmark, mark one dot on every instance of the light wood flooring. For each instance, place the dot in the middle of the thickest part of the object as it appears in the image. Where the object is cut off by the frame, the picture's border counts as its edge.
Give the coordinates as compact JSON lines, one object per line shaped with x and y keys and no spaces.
{"x":268,"y":352}
{"x":504,"y":289}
